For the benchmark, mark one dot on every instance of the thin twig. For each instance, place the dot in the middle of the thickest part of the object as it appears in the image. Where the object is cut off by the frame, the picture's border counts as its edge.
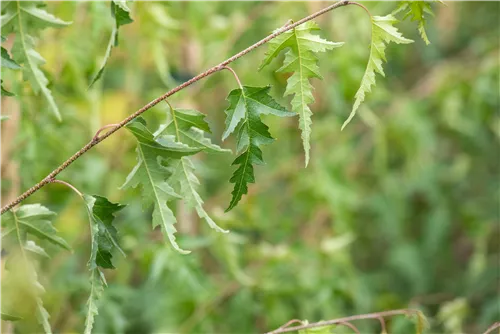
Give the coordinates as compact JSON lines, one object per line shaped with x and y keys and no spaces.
{"x":346,"y":320}
{"x":492,"y":327}
{"x":67,"y":185}
{"x":151,"y":104}
{"x":234,"y":74}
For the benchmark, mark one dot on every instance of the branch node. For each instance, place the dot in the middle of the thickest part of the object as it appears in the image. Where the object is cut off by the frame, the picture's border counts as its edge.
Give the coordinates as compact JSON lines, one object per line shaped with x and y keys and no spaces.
{"x":96,"y":137}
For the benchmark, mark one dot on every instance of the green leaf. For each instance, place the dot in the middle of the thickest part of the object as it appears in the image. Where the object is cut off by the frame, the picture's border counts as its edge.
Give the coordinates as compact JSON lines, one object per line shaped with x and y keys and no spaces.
{"x":33,"y":219}
{"x":101,"y":214}
{"x":121,"y":14}
{"x":9,"y":317}
{"x":97,"y":283}
{"x":188,"y":126}
{"x":22,"y":17}
{"x":302,"y":61}
{"x":7,"y":61}
{"x":3,"y":118}
{"x":152,"y":173}
{"x":383,"y":32}
{"x":29,"y":219}
{"x":32,"y":247}
{"x":246,"y":104}
{"x":417,"y":10}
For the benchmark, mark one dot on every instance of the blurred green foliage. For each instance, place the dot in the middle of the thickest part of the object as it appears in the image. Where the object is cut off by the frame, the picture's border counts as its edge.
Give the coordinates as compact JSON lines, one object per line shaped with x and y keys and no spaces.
{"x":399,"y":210}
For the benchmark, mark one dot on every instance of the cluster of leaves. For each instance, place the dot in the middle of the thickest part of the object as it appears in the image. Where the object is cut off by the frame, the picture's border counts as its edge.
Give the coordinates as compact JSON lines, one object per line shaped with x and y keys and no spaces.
{"x":164,"y":170}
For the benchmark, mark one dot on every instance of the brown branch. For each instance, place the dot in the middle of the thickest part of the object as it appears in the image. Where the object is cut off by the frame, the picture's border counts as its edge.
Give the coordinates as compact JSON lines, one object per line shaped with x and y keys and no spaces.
{"x":492,"y":327}
{"x":151,"y":104}
{"x":345,"y":321}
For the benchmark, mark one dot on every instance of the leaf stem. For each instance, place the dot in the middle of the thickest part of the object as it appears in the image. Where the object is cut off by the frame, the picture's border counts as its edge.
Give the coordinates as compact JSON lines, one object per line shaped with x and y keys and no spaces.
{"x":67,"y":185}
{"x":362,"y":6}
{"x":351,"y":326}
{"x":234,"y":74}
{"x":151,"y":104}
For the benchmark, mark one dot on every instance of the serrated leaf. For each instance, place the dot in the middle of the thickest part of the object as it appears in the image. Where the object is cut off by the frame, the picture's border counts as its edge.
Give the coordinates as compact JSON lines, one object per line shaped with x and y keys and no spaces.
{"x":96,"y":290}
{"x":383,"y":32}
{"x":7,"y":61}
{"x":188,"y":127}
{"x":31,"y":246}
{"x":33,"y":219}
{"x":246,"y":105}
{"x":416,"y":10}
{"x":27,"y":220}
{"x":9,"y":317}
{"x":121,"y":15}
{"x":101,"y":214}
{"x":302,"y":61}
{"x":22,"y":17}
{"x":152,"y":171}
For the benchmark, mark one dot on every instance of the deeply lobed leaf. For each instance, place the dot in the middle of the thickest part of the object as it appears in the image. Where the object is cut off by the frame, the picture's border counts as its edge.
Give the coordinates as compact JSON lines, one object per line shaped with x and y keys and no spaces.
{"x":121,"y":15}
{"x":32,"y":219}
{"x":417,"y":11}
{"x":24,"y":17}
{"x":383,"y":32}
{"x":246,"y":105}
{"x":300,"y":59}
{"x":101,"y":214}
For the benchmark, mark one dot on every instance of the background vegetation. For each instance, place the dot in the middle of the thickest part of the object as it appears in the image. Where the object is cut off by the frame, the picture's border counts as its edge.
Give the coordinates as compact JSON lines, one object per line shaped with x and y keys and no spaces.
{"x":399,"y":210}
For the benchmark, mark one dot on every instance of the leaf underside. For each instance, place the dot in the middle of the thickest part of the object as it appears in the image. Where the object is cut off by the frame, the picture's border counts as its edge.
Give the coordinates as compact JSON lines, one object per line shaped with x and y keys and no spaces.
{"x":246,"y":105}
{"x":383,"y":32}
{"x":302,"y":61}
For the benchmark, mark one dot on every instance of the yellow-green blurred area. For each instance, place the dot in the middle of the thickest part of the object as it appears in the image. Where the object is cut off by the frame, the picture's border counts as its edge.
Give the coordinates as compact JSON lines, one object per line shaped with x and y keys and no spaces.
{"x":398,"y":210}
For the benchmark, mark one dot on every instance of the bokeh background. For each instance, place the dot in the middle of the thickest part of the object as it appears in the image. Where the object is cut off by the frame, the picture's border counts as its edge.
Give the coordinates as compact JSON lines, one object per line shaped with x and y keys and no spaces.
{"x":399,"y":210}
